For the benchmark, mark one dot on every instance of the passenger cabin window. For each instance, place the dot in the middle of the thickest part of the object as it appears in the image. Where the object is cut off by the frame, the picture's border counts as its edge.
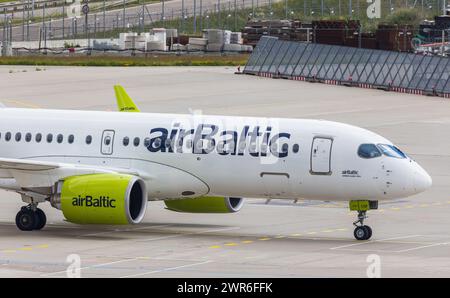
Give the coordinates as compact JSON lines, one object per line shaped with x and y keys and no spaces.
{"x":136,"y":141}
{"x":49,"y":138}
{"x":28,"y":137}
{"x":126,"y":141}
{"x":70,"y":139}
{"x":368,"y":151}
{"x":88,"y":139}
{"x":59,"y":138}
{"x":391,"y":151}
{"x":18,"y":137}
{"x":8,"y":136}
{"x":38,"y":137}
{"x":147,"y":142}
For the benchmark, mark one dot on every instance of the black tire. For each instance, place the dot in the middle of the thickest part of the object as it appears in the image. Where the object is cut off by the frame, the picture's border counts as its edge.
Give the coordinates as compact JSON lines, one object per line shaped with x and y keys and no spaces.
{"x":42,"y":219}
{"x":26,"y":220}
{"x":361,"y":233}
{"x":369,"y":229}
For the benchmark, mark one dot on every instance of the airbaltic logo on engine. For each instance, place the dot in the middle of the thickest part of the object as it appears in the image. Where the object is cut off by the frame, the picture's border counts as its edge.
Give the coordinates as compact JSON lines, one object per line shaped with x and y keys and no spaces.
{"x":207,"y":138}
{"x":89,"y":201}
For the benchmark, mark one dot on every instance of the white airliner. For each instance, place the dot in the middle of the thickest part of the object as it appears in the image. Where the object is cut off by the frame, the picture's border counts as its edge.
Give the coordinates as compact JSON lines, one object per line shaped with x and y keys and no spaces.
{"x":103,"y":167}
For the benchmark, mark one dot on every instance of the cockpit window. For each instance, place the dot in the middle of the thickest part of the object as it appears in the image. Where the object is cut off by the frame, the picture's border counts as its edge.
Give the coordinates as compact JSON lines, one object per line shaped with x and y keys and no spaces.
{"x":368,"y":151}
{"x":391,"y":151}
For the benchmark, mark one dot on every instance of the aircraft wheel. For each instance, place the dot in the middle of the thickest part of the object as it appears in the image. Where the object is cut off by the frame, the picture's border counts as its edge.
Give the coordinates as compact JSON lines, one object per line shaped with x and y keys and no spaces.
{"x":42,"y":219}
{"x":370,"y":232}
{"x":362,"y":233}
{"x":26,"y":220}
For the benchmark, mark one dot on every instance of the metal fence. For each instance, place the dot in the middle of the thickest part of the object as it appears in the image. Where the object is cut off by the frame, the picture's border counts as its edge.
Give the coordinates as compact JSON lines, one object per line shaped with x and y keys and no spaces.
{"x":52,"y":22}
{"x":30,"y":19}
{"x":339,"y":65}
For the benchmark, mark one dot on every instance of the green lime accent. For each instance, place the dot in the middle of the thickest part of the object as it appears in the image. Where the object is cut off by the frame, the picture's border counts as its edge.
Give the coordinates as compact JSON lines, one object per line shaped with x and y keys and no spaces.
{"x":359,"y":205}
{"x":124,"y":102}
{"x":199,"y":205}
{"x":95,"y":199}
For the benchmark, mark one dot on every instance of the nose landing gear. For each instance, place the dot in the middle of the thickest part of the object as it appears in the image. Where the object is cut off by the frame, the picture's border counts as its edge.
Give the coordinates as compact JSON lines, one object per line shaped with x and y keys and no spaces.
{"x":362,"y":232}
{"x":30,"y":218}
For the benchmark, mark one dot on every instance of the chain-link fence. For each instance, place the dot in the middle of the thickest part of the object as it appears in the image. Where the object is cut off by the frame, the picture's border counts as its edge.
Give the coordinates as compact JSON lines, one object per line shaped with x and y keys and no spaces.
{"x":34,"y":20}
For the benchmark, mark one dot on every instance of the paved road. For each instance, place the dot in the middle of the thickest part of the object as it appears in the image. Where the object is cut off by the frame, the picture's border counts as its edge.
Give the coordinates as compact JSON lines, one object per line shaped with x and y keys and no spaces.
{"x":307,"y":239}
{"x":114,"y":18}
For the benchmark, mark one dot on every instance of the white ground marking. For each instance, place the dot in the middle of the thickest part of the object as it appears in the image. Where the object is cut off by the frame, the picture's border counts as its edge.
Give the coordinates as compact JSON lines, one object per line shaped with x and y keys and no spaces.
{"x":189,"y":234}
{"x":92,"y":266}
{"x":422,"y":247}
{"x":122,"y":230}
{"x":367,"y":242}
{"x":166,"y":269}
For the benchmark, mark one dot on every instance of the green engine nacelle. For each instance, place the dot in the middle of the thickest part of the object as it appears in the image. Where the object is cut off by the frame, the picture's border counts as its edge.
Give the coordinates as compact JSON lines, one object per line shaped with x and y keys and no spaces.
{"x":206,"y":205}
{"x":101,"y":199}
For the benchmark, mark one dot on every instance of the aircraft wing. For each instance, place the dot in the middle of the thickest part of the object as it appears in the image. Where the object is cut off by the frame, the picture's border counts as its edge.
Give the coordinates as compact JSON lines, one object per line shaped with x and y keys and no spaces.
{"x":32,"y":173}
{"x":32,"y":176}
{"x":26,"y":165}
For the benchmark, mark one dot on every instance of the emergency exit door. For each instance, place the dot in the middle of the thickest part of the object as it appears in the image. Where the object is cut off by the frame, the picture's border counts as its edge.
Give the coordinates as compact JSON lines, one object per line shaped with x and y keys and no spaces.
{"x":321,"y":156}
{"x":107,"y":142}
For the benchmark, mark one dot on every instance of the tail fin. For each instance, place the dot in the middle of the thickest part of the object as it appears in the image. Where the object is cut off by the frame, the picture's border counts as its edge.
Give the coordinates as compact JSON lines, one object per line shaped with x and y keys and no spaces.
{"x":124,"y":102}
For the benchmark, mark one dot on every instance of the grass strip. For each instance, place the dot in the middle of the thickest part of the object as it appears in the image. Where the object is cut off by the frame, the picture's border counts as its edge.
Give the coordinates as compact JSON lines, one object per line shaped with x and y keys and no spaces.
{"x":153,"y":60}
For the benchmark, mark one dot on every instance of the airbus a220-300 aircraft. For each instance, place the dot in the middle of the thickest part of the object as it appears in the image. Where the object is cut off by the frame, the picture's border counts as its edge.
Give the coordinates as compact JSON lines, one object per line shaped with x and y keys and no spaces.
{"x":103,"y":167}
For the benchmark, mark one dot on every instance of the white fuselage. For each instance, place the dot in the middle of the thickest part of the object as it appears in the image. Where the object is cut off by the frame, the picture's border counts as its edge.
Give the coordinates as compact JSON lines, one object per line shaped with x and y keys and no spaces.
{"x":194,"y":155}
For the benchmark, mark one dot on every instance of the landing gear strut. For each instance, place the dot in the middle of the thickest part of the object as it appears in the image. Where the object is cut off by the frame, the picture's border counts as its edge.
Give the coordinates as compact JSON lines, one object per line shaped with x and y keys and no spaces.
{"x":30,"y":218}
{"x":362,"y":232}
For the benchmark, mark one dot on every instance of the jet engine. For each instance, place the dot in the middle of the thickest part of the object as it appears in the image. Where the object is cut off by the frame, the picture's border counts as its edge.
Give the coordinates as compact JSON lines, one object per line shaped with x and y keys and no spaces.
{"x":101,"y":199}
{"x":206,"y":205}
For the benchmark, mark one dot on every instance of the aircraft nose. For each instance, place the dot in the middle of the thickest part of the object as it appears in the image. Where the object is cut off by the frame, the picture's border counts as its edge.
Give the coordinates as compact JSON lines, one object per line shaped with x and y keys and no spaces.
{"x":422,"y":181}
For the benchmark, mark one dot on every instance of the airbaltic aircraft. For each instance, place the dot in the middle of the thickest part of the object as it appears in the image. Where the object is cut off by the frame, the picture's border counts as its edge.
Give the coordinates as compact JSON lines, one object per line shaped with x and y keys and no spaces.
{"x":103,"y":167}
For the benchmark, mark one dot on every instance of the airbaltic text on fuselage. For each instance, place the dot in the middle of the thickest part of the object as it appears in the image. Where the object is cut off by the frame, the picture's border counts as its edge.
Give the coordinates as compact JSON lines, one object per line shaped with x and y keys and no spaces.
{"x":89,"y":201}
{"x":207,"y":138}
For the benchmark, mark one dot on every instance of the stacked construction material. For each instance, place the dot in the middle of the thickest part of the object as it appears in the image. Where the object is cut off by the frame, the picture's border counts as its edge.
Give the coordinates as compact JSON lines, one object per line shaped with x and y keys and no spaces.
{"x":134,"y":41}
{"x":283,"y":29}
{"x":197,"y":44}
{"x":157,"y":42}
{"x":125,"y":37}
{"x":394,"y":37}
{"x":224,"y":40}
{"x":442,"y":22}
{"x":431,"y":31}
{"x":335,"y":32}
{"x":363,"y":40}
{"x":172,"y":38}
{"x":216,"y":39}
{"x":236,"y":38}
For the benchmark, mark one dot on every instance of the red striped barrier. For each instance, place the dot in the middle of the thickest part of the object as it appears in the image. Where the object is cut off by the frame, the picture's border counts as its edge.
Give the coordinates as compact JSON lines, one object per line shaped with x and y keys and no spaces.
{"x":361,"y":85}
{"x":298,"y":78}
{"x":367,"y":86}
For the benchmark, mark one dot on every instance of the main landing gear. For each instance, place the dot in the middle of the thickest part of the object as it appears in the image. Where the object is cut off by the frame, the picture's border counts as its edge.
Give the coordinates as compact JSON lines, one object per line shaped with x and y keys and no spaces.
{"x":30,"y":218}
{"x":362,"y":232}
